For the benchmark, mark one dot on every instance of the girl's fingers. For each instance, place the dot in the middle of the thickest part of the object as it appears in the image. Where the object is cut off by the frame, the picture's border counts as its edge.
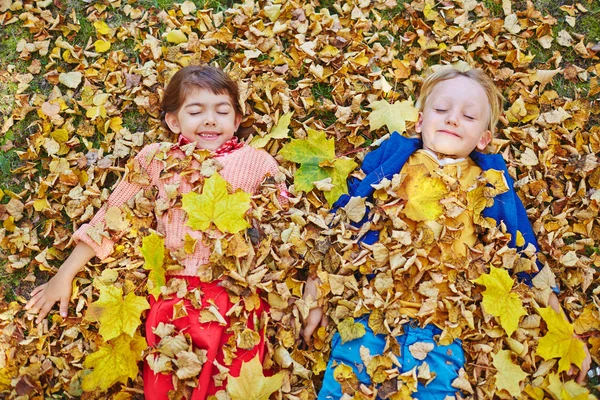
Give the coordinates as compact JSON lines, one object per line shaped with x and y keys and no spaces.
{"x":64,"y":307}
{"x":35,"y":295}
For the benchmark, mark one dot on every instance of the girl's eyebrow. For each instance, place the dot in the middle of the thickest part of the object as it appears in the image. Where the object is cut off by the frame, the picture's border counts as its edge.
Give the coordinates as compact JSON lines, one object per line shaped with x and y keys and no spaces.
{"x":199,"y":104}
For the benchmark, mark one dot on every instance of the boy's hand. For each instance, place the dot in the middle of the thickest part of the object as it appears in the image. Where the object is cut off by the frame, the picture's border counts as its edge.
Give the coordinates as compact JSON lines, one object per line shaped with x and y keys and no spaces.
{"x":43,"y":297}
{"x":315,"y":318}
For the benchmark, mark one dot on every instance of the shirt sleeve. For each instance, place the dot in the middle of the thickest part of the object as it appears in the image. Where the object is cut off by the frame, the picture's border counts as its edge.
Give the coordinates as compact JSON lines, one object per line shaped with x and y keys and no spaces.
{"x":140,"y":174}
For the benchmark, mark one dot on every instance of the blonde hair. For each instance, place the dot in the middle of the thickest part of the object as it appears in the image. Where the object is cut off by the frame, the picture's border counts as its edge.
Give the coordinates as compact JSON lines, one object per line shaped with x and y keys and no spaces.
{"x":494,"y":96}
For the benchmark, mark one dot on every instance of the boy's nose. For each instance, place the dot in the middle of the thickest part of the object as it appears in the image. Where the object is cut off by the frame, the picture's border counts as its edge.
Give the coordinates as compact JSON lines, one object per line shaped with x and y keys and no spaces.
{"x":451,"y":119}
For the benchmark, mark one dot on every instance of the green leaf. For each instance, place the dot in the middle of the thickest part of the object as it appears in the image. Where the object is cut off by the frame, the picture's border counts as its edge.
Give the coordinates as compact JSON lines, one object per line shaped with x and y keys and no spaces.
{"x":316,"y":156}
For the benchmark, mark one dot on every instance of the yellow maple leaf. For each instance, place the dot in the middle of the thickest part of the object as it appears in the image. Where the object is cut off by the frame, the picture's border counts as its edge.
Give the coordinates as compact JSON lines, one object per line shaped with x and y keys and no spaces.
{"x":176,"y":37}
{"x":350,"y":330}
{"x":153,"y":250}
{"x":216,"y":205}
{"x":252,"y":384}
{"x":499,"y":301}
{"x":560,"y":341}
{"x":117,"y":314}
{"x":509,"y":374}
{"x":569,"y":390}
{"x":279,"y":131}
{"x":422,"y":194}
{"x":394,"y":116}
{"x":113,"y":362}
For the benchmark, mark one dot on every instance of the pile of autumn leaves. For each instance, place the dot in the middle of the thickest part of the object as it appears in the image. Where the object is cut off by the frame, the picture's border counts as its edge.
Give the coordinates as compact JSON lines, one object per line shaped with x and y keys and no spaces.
{"x":515,"y":344}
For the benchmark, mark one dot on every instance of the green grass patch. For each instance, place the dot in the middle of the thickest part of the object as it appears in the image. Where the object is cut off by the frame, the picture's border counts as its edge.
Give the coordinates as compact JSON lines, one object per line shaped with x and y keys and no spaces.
{"x":321,"y":90}
{"x":495,"y":8}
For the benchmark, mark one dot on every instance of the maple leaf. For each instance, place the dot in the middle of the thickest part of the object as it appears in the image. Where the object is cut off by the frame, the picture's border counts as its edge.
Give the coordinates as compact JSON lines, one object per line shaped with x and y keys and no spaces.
{"x":498,"y":299}
{"x":153,"y":250}
{"x":509,"y":374}
{"x":216,"y":205}
{"x":423,"y":194}
{"x":394,"y":116}
{"x":117,"y":314}
{"x":252,"y":384}
{"x":569,"y":390}
{"x":350,"y":330}
{"x":316,"y":156}
{"x":115,"y":361}
{"x":560,"y":341}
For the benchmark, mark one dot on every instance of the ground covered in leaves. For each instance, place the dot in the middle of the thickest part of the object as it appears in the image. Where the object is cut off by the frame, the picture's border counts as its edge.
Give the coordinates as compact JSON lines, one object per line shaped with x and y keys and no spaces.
{"x":80,"y":85}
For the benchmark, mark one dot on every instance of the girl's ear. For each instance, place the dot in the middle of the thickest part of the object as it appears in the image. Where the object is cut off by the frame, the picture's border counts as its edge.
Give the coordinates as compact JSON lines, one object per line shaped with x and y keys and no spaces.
{"x":172,"y":122}
{"x":485,"y":139}
{"x":419,"y":123}
{"x":238,"y":121}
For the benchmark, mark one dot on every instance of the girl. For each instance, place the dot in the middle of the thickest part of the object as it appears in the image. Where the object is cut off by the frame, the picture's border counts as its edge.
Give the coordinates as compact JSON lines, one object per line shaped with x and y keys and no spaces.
{"x":201,"y":105}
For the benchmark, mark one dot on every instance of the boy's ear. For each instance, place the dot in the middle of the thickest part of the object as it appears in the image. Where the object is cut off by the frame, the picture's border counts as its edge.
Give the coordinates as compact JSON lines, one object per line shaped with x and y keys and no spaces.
{"x":486,"y":138}
{"x":172,"y":122}
{"x":419,"y":123}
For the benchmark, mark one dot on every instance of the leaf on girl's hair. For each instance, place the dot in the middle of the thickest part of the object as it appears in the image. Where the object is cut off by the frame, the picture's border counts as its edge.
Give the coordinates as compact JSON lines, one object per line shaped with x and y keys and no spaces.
{"x":350,"y":330}
{"x":498,"y":299}
{"x":113,"y":362}
{"x":316,"y":156}
{"x":216,"y":206}
{"x":509,"y":374}
{"x":252,"y":383}
{"x":394,"y":116}
{"x":153,"y":251}
{"x":560,"y":341}
{"x":117,"y":314}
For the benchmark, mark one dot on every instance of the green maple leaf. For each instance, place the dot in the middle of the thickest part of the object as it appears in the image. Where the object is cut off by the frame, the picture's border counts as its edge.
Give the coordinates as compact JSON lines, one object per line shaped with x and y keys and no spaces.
{"x":560,"y":341}
{"x":394,"y":116}
{"x":115,"y":313}
{"x":113,"y":362}
{"x":316,"y":156}
{"x":499,"y":301}
{"x":215,"y":205}
{"x":153,"y":250}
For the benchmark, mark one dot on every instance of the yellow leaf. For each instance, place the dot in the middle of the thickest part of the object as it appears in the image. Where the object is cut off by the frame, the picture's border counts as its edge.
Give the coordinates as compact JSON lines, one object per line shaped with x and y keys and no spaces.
{"x":509,"y":374}
{"x":117,"y":314}
{"x":569,"y":390}
{"x":176,"y":37}
{"x":394,"y":116}
{"x":350,"y":330}
{"x":101,"y":27}
{"x":216,"y":205}
{"x":70,"y":79}
{"x":153,"y":251}
{"x":422,"y":194}
{"x":272,"y":12}
{"x":520,"y":241}
{"x":560,"y":341}
{"x":279,"y":131}
{"x":116,"y":124}
{"x":114,"y":362}
{"x":101,"y":45}
{"x":499,"y":301}
{"x":252,"y":384}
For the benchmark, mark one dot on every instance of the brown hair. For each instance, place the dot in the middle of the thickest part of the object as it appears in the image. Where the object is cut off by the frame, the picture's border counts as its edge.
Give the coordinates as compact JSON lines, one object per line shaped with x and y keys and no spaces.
{"x":494,"y":96}
{"x":195,"y":77}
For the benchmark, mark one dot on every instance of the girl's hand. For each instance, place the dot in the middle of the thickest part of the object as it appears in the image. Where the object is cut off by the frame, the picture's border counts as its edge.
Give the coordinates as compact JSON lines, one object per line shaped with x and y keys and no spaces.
{"x":58,"y":289}
{"x":43,"y":297}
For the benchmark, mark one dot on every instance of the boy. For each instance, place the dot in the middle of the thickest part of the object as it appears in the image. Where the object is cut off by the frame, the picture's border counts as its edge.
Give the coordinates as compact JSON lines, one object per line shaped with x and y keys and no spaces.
{"x":458,"y":112}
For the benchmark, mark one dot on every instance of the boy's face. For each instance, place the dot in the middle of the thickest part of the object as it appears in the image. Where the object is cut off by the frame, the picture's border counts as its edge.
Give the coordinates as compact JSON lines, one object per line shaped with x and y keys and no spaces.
{"x":455,"y":118}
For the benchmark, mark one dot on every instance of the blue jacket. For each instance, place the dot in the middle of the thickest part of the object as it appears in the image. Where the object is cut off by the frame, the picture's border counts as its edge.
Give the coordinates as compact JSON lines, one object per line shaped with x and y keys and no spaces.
{"x":392,"y":154}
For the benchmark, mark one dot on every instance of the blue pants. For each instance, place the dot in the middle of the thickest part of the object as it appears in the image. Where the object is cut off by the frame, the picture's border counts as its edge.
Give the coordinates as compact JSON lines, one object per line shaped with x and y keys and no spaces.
{"x":445,"y":361}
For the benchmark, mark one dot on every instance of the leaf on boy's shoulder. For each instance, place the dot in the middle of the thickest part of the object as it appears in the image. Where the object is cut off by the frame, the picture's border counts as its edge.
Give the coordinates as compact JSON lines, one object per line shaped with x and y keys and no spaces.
{"x":350,"y":330}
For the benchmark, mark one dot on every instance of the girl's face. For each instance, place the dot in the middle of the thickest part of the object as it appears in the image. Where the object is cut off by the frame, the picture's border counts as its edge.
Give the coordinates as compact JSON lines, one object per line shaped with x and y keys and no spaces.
{"x":206,"y":118}
{"x":455,"y":118}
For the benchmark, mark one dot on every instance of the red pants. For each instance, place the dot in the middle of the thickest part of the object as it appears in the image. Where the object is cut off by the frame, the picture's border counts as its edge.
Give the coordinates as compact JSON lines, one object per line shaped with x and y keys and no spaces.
{"x":209,"y":336}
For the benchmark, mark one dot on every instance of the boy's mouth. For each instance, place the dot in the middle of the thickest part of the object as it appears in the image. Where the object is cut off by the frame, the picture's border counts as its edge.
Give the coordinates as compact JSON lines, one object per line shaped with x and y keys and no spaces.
{"x":446,"y":132}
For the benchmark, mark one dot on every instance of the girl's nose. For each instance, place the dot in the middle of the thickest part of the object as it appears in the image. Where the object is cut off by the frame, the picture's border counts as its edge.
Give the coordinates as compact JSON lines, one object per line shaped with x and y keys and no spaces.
{"x":209,"y":119}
